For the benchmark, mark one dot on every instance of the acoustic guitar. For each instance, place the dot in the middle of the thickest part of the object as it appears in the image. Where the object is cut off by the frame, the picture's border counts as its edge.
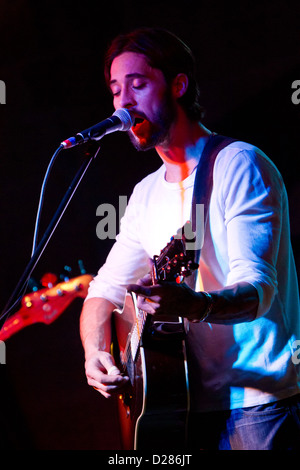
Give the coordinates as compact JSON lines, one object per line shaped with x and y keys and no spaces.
{"x":153,"y":408}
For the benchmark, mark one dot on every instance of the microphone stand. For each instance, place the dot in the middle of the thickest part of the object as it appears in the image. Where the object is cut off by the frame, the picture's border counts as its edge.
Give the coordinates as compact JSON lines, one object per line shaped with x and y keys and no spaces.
{"x":90,"y":156}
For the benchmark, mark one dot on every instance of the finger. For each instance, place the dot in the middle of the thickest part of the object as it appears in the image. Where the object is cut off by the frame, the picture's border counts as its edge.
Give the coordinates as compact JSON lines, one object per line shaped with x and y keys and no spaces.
{"x":139,"y":290}
{"x":145,"y":281}
{"x":101,"y":376}
{"x":97,"y":385}
{"x":100,"y":390}
{"x":151,"y":299}
{"x":105,"y":394}
{"x":109,"y":364}
{"x":107,"y":387}
{"x":113,"y":370}
{"x":145,"y":301}
{"x":110,"y":380}
{"x":147,"y":305}
{"x":115,"y":376}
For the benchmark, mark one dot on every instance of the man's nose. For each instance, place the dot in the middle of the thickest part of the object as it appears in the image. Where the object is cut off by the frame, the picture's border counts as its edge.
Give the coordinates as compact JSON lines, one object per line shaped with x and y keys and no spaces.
{"x":127,"y":99}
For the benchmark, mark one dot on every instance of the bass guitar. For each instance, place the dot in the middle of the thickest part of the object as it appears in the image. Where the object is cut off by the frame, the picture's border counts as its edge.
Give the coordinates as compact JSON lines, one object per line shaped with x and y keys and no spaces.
{"x":45,"y":305}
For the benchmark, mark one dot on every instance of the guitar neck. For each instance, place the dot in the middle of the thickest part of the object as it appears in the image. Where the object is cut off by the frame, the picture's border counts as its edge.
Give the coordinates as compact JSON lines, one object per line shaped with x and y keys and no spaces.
{"x":134,"y":340}
{"x":15,"y":323}
{"x":134,"y":337}
{"x":172,"y":264}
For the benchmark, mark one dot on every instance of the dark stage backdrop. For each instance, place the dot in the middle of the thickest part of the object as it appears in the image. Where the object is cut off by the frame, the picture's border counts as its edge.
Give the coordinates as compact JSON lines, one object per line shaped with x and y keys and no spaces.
{"x":51,"y":57}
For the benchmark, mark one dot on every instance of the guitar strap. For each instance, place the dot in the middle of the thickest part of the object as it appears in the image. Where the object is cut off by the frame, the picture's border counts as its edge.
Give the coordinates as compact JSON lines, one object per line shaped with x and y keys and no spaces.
{"x":203,"y":188}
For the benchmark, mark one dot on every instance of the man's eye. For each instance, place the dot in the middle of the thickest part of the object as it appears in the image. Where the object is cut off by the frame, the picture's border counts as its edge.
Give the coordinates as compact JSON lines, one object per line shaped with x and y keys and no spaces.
{"x":138,"y":86}
{"x":116,"y":93}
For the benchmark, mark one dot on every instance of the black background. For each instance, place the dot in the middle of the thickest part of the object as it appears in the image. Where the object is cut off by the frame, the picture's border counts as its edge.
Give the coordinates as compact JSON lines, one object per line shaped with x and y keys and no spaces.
{"x":51,"y":56}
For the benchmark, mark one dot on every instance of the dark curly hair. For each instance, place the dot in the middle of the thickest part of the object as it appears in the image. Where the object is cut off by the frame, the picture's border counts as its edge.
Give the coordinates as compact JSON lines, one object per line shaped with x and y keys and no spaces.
{"x":166,"y":52}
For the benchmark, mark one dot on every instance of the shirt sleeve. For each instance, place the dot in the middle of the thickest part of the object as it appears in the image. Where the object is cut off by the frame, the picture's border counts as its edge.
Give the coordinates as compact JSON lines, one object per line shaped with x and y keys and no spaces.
{"x":126,"y":262}
{"x":252,"y":197}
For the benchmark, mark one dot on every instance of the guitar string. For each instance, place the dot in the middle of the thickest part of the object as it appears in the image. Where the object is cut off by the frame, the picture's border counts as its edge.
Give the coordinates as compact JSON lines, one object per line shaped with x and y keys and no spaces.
{"x":137,"y":330}
{"x":130,"y":351}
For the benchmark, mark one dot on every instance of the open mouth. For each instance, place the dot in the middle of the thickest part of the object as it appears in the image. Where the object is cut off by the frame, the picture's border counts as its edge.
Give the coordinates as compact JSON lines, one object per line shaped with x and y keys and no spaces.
{"x":138,"y":123}
{"x":139,"y":120}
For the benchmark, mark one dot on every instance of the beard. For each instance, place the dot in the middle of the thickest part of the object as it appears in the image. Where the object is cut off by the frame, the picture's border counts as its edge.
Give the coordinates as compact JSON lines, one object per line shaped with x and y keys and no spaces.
{"x":148,"y":135}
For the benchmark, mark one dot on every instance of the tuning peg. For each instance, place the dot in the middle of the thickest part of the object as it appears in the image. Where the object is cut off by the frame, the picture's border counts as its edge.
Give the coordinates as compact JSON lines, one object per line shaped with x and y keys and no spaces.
{"x":33,"y":285}
{"x":66,"y":276}
{"x":81,"y":266}
{"x":48,"y":280}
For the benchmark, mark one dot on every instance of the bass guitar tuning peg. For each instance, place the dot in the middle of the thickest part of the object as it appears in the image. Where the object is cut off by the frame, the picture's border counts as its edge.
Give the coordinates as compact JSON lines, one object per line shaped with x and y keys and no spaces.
{"x":81,"y":267}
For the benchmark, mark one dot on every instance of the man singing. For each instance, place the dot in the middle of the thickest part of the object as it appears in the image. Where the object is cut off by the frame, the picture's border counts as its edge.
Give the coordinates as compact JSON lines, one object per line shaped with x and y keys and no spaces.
{"x":243,"y":315}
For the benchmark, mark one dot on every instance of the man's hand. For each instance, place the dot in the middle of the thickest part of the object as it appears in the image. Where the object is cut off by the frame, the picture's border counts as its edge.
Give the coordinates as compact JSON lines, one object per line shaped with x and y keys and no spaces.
{"x":102,"y":373}
{"x":169,"y":298}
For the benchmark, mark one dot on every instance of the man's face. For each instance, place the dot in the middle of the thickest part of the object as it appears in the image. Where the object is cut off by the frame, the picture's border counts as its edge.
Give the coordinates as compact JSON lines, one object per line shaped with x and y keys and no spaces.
{"x":143,"y":90}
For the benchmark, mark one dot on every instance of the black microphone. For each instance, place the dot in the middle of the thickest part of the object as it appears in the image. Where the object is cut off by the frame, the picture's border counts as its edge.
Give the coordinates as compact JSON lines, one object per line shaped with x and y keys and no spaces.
{"x":121,"y":120}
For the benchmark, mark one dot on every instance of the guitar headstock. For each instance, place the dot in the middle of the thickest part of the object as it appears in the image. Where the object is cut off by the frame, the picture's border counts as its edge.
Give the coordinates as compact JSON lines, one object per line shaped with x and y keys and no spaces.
{"x":45,"y":305}
{"x":175,"y":262}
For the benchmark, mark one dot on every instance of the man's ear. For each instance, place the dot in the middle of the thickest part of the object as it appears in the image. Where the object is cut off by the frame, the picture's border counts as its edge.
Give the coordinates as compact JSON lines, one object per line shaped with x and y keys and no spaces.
{"x":180,"y":85}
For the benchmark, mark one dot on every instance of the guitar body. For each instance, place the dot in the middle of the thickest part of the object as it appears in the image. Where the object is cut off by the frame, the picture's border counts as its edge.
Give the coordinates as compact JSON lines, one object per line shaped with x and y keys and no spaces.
{"x":153,"y":409}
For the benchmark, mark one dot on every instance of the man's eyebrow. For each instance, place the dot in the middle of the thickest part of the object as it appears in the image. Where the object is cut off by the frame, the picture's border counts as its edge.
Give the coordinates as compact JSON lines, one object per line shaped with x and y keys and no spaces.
{"x":130,"y":75}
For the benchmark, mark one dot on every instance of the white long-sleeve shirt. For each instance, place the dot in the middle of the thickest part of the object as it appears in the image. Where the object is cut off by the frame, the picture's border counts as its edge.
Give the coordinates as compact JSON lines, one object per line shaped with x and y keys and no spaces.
{"x":247,"y":238}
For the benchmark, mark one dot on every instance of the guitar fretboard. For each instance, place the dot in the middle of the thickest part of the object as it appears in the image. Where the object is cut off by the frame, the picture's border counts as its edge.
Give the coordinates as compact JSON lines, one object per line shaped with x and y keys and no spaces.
{"x":172,"y":263}
{"x":133,"y":343}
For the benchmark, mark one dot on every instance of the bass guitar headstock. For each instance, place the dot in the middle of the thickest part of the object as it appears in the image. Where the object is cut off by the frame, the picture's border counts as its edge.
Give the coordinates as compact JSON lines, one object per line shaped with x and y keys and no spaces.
{"x":45,"y":305}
